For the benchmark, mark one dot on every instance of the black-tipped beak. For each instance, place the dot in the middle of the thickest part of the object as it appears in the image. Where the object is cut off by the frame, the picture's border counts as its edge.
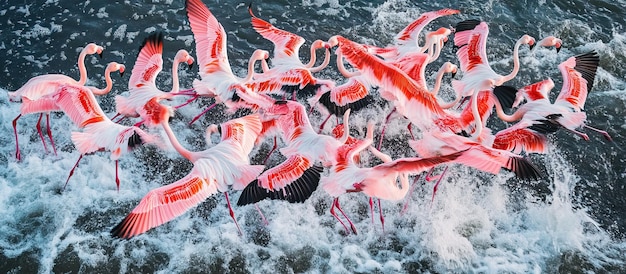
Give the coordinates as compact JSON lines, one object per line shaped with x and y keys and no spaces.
{"x":446,"y":42}
{"x":532,"y":46}
{"x":121,"y":74}
{"x":280,"y":102}
{"x":190,"y":66}
{"x":100,"y":54}
{"x":453,"y":74}
{"x":558,"y":49}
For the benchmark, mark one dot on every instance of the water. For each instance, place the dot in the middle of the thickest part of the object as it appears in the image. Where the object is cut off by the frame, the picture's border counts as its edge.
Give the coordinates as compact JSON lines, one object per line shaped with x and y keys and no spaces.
{"x":572,"y":220}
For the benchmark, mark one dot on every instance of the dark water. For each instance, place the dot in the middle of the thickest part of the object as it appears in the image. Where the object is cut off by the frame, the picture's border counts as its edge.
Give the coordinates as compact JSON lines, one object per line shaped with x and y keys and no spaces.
{"x":42,"y":230}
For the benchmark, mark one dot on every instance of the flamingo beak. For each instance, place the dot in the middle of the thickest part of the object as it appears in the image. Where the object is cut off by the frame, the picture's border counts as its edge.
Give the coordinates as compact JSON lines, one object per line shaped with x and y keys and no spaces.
{"x":100,"y":54}
{"x":531,"y":45}
{"x":558,"y":48}
{"x":121,"y":73}
{"x":453,"y":74}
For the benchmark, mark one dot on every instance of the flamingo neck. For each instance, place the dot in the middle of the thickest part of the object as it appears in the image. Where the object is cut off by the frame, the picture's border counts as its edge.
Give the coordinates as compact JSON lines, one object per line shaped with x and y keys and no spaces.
{"x":81,"y":67}
{"x":437,"y":87}
{"x":177,"y":146}
{"x":342,"y":68}
{"x":517,"y":115}
{"x":175,"y":83}
{"x":109,"y":84}
{"x":477,"y":120}
{"x":515,"y":62}
{"x":311,"y":62}
{"x":324,"y":64}
{"x":251,"y":62}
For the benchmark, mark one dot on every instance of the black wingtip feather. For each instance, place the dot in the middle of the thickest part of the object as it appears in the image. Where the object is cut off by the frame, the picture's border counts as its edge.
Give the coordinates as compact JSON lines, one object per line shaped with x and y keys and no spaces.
{"x":340,"y":110}
{"x":296,"y":192}
{"x":156,"y":38}
{"x":545,"y":127}
{"x":587,"y":65}
{"x":469,"y":24}
{"x":505,"y":95}
{"x":523,"y":168}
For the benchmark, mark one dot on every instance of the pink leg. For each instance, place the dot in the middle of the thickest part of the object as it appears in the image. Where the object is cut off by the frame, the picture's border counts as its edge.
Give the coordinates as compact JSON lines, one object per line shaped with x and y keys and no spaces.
{"x":187,"y":102}
{"x":345,"y":216}
{"x":606,"y":134}
{"x":405,"y":207}
{"x":332,"y":212}
{"x":382,"y":218}
{"x":232,"y":213}
{"x":265,"y":222}
{"x":18,"y":155}
{"x":115,"y":116}
{"x":439,"y":178}
{"x":72,"y":171}
{"x":324,"y":123}
{"x":410,"y":128}
{"x":582,"y":135}
{"x":49,"y":131}
{"x":138,"y":124}
{"x":371,"y":201}
{"x":382,"y":133}
{"x":41,"y":133}
{"x":271,"y":151}
{"x":117,"y":177}
{"x":189,"y":92}
{"x":202,"y":113}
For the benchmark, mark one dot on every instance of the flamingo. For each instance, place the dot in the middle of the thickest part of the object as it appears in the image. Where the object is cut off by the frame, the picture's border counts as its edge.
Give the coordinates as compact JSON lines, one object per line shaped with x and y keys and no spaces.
{"x":289,"y":72}
{"x":44,"y":103}
{"x":217,"y":78}
{"x":214,"y":170}
{"x":551,"y":41}
{"x":298,"y":176}
{"x":471,"y":38}
{"x":406,"y":41}
{"x":142,"y":84}
{"x":379,"y":181}
{"x":540,"y":116}
{"x":99,"y":133}
{"x":43,"y":85}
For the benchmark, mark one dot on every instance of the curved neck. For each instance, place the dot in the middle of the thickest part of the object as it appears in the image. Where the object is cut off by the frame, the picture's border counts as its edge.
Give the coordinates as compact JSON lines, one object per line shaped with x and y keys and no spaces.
{"x":170,"y":135}
{"x":81,"y":67}
{"x":251,"y":62}
{"x":342,"y":68}
{"x":175,"y":84}
{"x":311,"y":62}
{"x":323,"y":64}
{"x":517,"y":115}
{"x":515,"y":62}
{"x":109,"y":84}
{"x":477,"y":121}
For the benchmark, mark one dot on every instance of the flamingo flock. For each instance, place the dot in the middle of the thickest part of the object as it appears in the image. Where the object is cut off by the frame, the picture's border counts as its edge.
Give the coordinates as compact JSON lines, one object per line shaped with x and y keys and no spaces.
{"x":282,"y":93}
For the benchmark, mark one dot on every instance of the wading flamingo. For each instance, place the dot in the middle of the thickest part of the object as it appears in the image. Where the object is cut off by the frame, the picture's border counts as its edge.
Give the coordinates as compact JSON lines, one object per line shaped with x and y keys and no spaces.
{"x":214,"y":170}
{"x":218,"y":80}
{"x":142,"y":86}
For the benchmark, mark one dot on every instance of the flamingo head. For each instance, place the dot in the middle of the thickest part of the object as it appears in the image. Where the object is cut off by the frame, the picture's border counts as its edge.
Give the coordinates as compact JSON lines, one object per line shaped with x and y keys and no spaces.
{"x":450,"y":68}
{"x":527,"y":39}
{"x":551,"y":41}
{"x":318,"y":44}
{"x":183,"y":56}
{"x":92,"y":48}
{"x":114,"y":66}
{"x":333,"y":41}
{"x":129,"y":139}
{"x":260,"y":54}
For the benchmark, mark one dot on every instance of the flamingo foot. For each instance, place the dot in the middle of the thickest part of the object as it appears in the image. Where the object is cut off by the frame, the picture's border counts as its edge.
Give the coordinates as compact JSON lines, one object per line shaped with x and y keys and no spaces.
{"x":18,"y":154}
{"x":604,"y":133}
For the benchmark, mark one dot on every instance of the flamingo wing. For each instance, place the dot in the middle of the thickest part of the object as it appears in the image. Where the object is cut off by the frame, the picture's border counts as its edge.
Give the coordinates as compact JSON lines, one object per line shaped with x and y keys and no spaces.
{"x":294,"y":180}
{"x":417,"y":165}
{"x":286,"y":44}
{"x":529,"y":136}
{"x":79,"y":103}
{"x":352,"y":95}
{"x":414,"y":65}
{"x":149,"y":62}
{"x":210,"y":39}
{"x":244,"y":130}
{"x":165,"y":203}
{"x":534,"y":92}
{"x":578,"y":75}
{"x":411,"y":32}
{"x":389,"y":77}
{"x":472,"y":45}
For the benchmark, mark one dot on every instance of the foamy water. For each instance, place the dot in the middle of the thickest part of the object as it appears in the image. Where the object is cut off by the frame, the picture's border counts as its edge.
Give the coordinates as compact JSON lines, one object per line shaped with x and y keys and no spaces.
{"x":572,"y":220}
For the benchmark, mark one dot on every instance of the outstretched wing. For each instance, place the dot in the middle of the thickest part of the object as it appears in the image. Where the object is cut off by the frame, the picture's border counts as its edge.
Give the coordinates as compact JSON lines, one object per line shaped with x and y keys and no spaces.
{"x":244,"y":130}
{"x":472,"y":45}
{"x":286,"y":44}
{"x":210,"y":39}
{"x":417,"y":165}
{"x":411,"y":33}
{"x":79,"y":103}
{"x":578,"y":74}
{"x":163,"y":204}
{"x":149,"y":62}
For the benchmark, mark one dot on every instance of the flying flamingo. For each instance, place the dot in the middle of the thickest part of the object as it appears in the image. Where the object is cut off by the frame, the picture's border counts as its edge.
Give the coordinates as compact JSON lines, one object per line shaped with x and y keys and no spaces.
{"x":471,"y":38}
{"x":289,"y":73}
{"x":217,"y":77}
{"x":43,"y":85}
{"x":297,"y":177}
{"x":99,"y":133}
{"x":142,"y":84}
{"x":379,"y":181}
{"x":215,"y":169}
{"x":540,"y":116}
{"x":406,"y":41}
{"x":45,"y":103}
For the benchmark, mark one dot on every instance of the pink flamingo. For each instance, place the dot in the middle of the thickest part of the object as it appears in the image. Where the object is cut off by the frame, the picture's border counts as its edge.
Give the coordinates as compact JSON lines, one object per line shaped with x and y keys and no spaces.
{"x":45,"y":103}
{"x":379,"y":181}
{"x":214,"y":170}
{"x":217,"y":77}
{"x":142,"y":84}
{"x":540,"y":116}
{"x":43,"y":85}
{"x":99,"y":132}
{"x":298,"y":176}
{"x":406,"y":41}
